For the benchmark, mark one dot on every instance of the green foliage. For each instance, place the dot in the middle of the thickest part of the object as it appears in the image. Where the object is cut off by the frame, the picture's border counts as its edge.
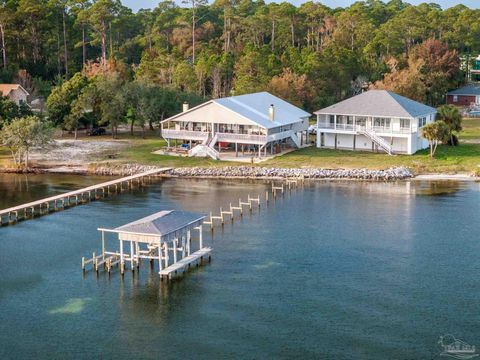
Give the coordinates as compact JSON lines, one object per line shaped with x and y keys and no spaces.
{"x":22,"y":134}
{"x":59,"y":103}
{"x":435,"y":132}
{"x":451,"y":115}
{"x":240,"y":46}
{"x":8,"y":111}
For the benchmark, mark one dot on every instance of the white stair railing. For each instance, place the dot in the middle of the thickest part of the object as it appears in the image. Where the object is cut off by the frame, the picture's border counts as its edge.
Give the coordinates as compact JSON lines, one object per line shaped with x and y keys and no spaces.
{"x":212,"y":142}
{"x":381,"y":142}
{"x":295,"y":139}
{"x":203,"y":150}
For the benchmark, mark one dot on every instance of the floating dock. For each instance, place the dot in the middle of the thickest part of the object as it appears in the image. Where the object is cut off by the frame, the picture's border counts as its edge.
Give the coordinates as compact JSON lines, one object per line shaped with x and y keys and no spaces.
{"x":165,"y":237}
{"x":59,"y":202}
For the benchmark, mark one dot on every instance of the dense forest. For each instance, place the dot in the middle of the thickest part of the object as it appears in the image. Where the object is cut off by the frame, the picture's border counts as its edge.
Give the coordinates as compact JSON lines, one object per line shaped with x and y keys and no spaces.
{"x":101,"y":58}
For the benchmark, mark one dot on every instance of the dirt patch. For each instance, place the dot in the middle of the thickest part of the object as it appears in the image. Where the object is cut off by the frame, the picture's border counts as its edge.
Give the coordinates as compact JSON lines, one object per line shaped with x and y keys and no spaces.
{"x":76,"y":152}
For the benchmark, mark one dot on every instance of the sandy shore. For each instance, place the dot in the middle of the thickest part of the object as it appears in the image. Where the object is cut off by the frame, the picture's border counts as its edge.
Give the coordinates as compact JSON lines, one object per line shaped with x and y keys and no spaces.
{"x":445,"y":177}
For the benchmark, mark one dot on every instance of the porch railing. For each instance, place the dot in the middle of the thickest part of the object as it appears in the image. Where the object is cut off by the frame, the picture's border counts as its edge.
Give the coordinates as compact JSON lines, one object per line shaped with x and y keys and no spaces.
{"x":184,"y":134}
{"x":357,"y":128}
{"x":232,"y":137}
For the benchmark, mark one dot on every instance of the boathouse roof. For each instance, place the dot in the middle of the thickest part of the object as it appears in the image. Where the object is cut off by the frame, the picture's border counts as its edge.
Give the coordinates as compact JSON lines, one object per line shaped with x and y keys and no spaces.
{"x":381,"y":103}
{"x":254,"y":108}
{"x":163,"y":224}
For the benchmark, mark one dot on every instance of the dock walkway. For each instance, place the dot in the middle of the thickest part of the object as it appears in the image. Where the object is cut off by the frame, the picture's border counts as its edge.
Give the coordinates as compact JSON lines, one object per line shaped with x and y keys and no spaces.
{"x":76,"y":197}
{"x":184,"y":264}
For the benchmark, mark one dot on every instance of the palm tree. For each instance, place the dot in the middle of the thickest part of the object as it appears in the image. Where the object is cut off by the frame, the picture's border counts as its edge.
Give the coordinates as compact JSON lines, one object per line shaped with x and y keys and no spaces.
{"x":435,"y":132}
{"x":452,"y":117}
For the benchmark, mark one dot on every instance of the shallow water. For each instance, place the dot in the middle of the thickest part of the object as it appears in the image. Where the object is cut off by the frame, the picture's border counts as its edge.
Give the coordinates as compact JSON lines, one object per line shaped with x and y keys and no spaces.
{"x":335,"y":270}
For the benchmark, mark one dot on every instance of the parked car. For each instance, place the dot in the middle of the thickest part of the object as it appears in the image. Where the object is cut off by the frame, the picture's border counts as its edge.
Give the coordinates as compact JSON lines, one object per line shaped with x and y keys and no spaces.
{"x":312,"y":129}
{"x":97,"y":131}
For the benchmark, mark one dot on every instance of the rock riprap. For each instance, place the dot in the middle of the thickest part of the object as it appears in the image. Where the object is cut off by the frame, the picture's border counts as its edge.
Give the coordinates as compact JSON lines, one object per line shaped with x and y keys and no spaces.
{"x":397,"y":173}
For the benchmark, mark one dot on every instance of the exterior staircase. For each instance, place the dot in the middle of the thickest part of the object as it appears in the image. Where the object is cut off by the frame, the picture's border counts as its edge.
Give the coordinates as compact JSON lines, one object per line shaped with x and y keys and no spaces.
{"x":381,"y":142}
{"x":295,"y":140}
{"x":206,"y":148}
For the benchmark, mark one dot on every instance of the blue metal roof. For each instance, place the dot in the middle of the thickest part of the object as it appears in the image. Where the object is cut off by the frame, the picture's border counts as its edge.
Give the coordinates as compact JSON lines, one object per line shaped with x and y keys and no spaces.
{"x":255,"y":107}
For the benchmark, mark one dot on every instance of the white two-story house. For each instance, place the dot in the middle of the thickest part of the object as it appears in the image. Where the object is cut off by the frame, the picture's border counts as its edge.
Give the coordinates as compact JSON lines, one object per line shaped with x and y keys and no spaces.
{"x":374,"y":120}
{"x":261,"y":122}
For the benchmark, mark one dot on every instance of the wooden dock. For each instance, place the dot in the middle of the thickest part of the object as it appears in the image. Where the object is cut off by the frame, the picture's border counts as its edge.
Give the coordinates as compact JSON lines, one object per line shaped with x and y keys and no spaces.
{"x":183,"y":265}
{"x":59,"y":202}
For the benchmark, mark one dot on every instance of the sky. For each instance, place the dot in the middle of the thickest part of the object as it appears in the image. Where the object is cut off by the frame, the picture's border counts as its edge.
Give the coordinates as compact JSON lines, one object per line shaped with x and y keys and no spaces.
{"x":137,"y":4}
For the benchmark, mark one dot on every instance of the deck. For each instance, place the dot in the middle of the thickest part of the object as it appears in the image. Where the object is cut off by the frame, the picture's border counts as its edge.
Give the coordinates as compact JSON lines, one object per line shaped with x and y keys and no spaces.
{"x":184,"y":264}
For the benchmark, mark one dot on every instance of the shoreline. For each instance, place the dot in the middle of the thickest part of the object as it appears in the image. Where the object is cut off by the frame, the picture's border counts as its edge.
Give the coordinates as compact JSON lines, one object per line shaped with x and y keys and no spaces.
{"x":251,"y":173}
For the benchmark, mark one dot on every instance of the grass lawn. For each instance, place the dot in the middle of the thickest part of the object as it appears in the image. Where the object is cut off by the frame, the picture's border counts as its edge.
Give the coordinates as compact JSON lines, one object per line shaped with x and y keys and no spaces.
{"x":463,"y":158}
{"x":141,"y":150}
{"x":448,"y":159}
{"x":471,"y":130}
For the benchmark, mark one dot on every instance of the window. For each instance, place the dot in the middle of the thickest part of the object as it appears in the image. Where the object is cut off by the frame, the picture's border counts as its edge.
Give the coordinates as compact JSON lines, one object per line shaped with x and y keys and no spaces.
{"x":455,"y":98}
{"x":381,"y":122}
{"x":404,"y":123}
{"x":422,"y":121}
{"x":361,"y":121}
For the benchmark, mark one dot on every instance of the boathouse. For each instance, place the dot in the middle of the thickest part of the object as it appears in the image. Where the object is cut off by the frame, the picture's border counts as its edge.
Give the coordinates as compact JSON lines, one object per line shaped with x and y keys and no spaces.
{"x":258,"y":123}
{"x":166,"y":236}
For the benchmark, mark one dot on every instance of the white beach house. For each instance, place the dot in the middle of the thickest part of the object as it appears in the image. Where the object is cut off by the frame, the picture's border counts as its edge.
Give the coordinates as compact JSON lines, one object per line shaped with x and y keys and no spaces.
{"x":259,"y":123}
{"x":374,"y":120}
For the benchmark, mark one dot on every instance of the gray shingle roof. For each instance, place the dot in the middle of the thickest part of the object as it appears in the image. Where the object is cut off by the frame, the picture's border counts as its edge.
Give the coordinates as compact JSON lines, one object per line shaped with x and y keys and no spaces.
{"x":162,"y":223}
{"x":469,"y":90}
{"x":381,"y":103}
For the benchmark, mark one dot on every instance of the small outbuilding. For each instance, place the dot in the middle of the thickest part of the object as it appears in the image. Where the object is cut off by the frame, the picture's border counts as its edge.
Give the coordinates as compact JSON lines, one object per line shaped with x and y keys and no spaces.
{"x":14,"y":92}
{"x":465,"y":96}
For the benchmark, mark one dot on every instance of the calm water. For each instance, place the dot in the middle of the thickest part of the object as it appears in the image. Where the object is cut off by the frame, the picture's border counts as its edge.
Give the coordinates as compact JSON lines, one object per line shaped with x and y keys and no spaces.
{"x":336,"y":270}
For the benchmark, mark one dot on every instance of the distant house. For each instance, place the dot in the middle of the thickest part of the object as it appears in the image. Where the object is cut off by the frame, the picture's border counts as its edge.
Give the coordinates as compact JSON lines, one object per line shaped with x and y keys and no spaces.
{"x":474,"y":72}
{"x":465,"y":96}
{"x":14,"y":92}
{"x":374,"y":120}
{"x":259,"y":122}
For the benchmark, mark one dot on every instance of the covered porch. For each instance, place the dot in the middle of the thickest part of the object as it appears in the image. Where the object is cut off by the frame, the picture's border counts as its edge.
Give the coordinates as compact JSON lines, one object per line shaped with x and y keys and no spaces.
{"x":354,"y":124}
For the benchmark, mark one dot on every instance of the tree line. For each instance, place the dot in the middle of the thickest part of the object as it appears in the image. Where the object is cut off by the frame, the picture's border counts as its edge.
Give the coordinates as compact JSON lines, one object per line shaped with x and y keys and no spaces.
{"x":311,"y":54}
{"x":96,"y":62}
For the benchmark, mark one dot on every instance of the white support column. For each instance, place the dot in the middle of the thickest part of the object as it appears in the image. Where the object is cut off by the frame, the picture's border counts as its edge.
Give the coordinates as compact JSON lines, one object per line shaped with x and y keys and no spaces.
{"x":189,"y":239}
{"x":131,"y":256}
{"x":184,"y":238}
{"x":122,"y":263}
{"x":200,"y":237}
{"x":335,"y":122}
{"x":175,"y":250}
{"x":103,"y":245}
{"x":160,"y":256}
{"x":166,"y":254}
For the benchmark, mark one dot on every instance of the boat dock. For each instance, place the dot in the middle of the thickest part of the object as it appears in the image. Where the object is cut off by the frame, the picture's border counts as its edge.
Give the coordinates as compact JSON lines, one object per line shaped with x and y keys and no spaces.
{"x":165,"y":237}
{"x":60,"y":202}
